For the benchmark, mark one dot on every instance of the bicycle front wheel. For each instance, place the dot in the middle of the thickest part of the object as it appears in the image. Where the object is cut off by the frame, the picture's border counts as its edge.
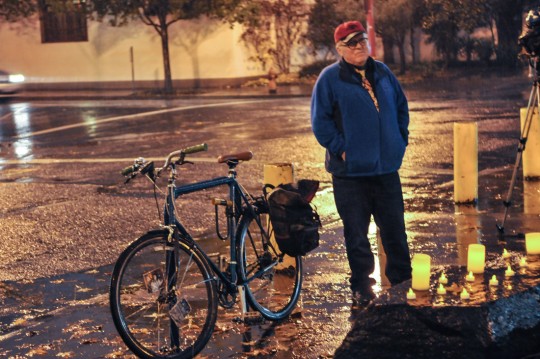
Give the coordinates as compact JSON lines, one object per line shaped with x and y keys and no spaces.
{"x":163,"y":298}
{"x":272,"y":285}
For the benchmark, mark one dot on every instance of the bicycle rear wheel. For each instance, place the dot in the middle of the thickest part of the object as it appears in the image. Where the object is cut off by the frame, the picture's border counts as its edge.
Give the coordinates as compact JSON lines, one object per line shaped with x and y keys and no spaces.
{"x":163,"y":298}
{"x":272,"y":286}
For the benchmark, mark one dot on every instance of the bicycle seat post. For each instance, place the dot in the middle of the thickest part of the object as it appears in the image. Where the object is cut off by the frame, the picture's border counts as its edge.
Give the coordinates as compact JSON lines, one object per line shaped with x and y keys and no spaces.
{"x":232,"y":167}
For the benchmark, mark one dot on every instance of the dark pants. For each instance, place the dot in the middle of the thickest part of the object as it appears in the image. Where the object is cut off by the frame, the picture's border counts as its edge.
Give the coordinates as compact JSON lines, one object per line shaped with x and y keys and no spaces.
{"x":381,"y":196}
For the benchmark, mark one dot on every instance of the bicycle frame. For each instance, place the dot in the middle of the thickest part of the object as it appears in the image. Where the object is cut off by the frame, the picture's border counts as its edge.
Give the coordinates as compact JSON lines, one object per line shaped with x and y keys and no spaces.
{"x":237,"y":195}
{"x":190,"y":284}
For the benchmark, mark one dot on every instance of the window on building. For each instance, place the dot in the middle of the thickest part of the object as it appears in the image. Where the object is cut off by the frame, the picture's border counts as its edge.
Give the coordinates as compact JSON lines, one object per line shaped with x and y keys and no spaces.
{"x":65,"y":23}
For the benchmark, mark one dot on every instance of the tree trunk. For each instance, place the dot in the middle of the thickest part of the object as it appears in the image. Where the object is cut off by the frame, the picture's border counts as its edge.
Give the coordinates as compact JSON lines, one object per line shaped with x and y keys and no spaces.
{"x":413,"y":46}
{"x":164,"y":34}
{"x":388,"y":48}
{"x":402,"y":61}
{"x":508,"y":22}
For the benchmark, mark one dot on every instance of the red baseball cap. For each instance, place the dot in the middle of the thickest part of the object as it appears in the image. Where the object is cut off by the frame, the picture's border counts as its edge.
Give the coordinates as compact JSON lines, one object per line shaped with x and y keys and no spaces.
{"x":348,"y":30}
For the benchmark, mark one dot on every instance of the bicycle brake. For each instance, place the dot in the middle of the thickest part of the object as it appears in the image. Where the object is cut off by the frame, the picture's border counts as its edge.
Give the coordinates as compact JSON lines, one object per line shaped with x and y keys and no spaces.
{"x":183,"y":162}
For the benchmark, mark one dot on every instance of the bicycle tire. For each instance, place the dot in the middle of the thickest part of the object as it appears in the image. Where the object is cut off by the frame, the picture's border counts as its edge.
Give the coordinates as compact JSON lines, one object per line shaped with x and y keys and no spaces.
{"x":273,"y":293}
{"x":148,"y":316}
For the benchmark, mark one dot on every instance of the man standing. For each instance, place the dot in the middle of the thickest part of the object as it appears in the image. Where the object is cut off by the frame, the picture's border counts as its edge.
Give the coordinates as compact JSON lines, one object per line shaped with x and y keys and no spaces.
{"x":359,"y":113}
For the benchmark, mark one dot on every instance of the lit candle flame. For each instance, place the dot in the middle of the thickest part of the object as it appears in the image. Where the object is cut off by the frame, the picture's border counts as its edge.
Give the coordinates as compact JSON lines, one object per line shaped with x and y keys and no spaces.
{"x":509,"y":272}
{"x":443,"y":279}
{"x":410,"y":294}
{"x":441,"y":290}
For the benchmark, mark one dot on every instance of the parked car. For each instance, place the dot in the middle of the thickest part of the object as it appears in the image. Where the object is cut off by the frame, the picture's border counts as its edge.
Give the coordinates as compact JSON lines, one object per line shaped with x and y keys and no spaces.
{"x":10,"y":83}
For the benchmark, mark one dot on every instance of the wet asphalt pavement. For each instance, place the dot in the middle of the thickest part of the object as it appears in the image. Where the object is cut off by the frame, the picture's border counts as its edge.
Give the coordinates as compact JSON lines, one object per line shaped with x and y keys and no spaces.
{"x":65,"y":214}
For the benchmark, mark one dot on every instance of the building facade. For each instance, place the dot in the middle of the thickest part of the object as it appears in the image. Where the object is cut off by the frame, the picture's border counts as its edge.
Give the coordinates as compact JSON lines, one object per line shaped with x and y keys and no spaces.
{"x":203,"y":52}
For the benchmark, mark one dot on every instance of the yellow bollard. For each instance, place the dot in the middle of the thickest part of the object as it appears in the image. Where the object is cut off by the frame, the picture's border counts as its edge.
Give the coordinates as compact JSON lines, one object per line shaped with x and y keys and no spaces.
{"x":276,"y":174}
{"x":467,"y":230}
{"x":465,"y":162}
{"x":531,"y":160}
{"x":531,"y":197}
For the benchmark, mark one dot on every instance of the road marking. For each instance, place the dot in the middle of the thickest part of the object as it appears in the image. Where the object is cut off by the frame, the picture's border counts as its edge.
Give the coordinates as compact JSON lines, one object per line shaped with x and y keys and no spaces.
{"x":143,"y":114}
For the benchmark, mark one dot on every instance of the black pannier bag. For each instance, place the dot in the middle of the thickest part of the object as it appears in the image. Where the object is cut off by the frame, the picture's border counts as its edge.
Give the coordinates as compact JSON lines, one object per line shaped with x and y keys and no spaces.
{"x":294,"y":221}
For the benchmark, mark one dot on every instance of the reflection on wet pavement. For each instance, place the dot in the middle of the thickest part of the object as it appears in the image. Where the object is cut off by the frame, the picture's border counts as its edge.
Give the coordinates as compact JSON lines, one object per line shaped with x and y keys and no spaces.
{"x":62,"y":219}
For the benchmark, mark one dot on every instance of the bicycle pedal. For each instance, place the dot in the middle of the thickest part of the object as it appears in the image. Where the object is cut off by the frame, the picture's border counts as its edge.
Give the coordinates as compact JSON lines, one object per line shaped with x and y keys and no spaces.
{"x":250,"y":318}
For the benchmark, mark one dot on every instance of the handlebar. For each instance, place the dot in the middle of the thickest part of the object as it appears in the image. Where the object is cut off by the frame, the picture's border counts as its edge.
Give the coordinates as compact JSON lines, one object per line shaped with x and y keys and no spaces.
{"x":138,"y":163}
{"x":182,"y":153}
{"x":141,"y":165}
{"x":128,"y":170}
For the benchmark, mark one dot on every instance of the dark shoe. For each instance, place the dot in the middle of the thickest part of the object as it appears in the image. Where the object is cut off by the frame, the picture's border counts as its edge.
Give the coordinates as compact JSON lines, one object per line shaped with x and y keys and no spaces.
{"x":361,"y":299}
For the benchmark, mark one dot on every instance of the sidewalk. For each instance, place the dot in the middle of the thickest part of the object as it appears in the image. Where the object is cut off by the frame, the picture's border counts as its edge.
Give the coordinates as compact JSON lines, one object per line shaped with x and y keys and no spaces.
{"x":435,"y":224}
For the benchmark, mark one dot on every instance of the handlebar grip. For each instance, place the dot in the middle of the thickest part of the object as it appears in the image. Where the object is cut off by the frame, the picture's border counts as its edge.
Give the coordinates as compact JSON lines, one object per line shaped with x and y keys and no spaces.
{"x":128,"y":170}
{"x":196,"y":148}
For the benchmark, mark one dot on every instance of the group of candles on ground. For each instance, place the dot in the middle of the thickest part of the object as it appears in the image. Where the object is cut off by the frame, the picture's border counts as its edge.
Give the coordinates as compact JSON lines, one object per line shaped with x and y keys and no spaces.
{"x":476,"y":258}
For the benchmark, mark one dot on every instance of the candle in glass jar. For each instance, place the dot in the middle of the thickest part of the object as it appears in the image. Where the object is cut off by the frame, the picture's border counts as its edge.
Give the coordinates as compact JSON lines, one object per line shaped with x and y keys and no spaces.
{"x":411,"y":295}
{"x":476,"y":258}
{"x":509,"y":272}
{"x":469,"y":277}
{"x":421,"y":267}
{"x":494,"y":281}
{"x":464,"y":294}
{"x":532,"y":243}
{"x":441,"y":290}
{"x":443,"y":279}
{"x":505,"y":254}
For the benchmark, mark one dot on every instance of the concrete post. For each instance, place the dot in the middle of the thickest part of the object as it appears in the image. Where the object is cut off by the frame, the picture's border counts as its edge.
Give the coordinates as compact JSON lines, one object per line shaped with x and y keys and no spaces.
{"x":465,"y":162}
{"x":531,"y":160}
{"x":467,"y":225}
{"x":531,"y":197}
{"x":278,"y":173}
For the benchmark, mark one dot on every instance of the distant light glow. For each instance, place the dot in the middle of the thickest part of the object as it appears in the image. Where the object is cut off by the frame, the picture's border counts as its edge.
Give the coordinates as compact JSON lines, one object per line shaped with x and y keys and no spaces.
{"x":17,"y":78}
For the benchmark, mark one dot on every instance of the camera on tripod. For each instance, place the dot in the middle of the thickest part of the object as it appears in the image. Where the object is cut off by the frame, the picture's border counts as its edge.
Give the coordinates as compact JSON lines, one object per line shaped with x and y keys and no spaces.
{"x":529,"y":40}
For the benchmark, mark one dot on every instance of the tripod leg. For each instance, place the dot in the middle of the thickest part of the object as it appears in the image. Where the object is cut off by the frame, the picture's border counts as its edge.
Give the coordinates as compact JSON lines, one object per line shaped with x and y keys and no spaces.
{"x":534,"y":100}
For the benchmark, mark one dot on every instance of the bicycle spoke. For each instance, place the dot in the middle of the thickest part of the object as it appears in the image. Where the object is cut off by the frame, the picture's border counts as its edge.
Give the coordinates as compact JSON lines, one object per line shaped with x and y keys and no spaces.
{"x":147,"y":314}
{"x":271,"y":289}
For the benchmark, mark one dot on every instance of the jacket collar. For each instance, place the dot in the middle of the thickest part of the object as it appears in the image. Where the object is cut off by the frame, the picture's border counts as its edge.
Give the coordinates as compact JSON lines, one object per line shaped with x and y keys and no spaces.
{"x":347,"y":73}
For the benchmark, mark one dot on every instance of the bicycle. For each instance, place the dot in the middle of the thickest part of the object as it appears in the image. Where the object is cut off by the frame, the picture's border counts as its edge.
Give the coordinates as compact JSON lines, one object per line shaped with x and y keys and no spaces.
{"x":165,"y":289}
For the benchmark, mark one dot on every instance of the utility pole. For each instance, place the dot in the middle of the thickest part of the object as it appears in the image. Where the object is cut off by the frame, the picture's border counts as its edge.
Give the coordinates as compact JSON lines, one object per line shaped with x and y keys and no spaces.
{"x":370,"y":19}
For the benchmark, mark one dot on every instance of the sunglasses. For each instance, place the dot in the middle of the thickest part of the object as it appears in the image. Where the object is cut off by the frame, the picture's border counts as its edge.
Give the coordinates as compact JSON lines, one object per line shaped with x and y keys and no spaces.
{"x":354,"y":42}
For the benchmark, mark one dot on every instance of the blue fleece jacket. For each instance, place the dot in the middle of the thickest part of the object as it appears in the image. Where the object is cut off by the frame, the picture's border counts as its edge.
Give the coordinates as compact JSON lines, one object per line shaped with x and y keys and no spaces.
{"x":345,"y":119}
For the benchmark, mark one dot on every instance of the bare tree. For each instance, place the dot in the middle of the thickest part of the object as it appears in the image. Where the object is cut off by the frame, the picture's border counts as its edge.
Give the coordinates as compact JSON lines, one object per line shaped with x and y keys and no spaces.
{"x":394,"y":21}
{"x":272,"y":28}
{"x":160,"y":15}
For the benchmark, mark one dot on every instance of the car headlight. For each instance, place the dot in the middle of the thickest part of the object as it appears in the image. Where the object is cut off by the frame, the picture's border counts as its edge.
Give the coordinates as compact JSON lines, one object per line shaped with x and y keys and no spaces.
{"x":17,"y":78}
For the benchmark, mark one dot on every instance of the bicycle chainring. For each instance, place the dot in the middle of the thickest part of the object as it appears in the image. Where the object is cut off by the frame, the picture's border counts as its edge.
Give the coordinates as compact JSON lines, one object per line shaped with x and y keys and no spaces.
{"x":226,"y":298}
